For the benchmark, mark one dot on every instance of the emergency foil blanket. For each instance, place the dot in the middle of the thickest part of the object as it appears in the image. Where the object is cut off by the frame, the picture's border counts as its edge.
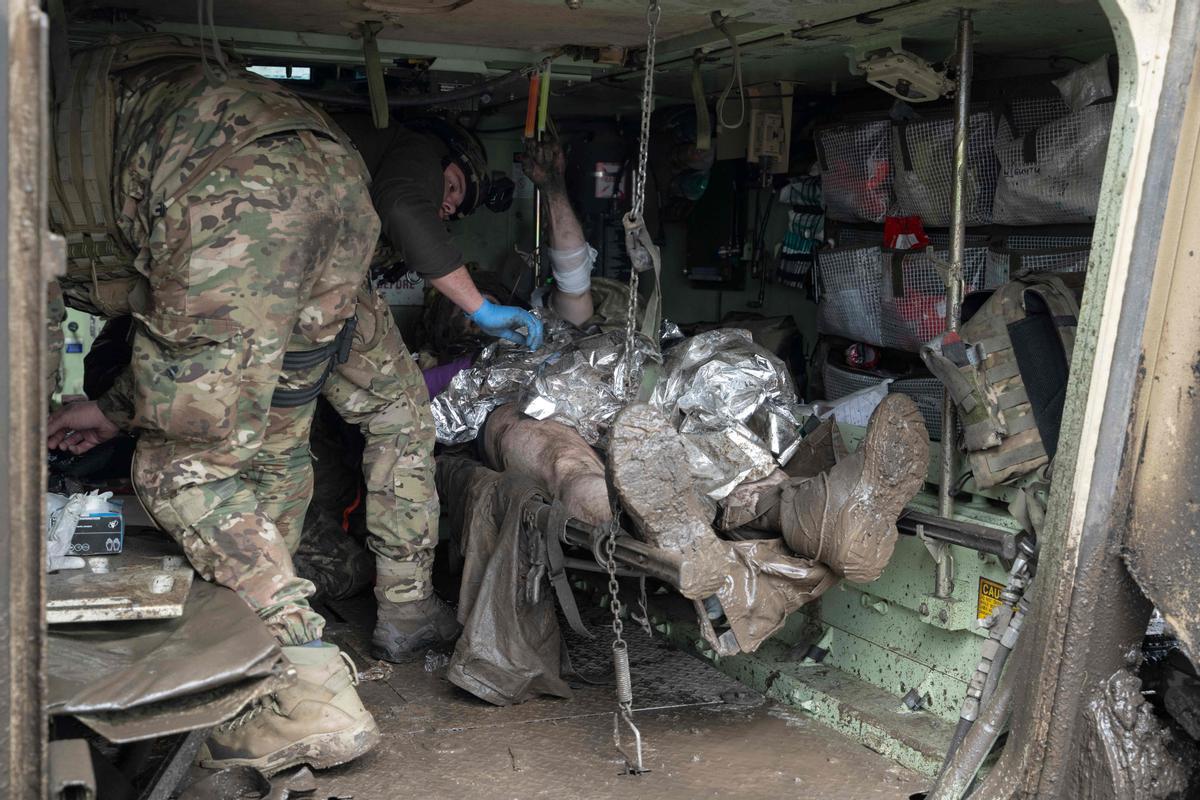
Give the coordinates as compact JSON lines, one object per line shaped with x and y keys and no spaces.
{"x":572,"y":379}
{"x":735,"y":404}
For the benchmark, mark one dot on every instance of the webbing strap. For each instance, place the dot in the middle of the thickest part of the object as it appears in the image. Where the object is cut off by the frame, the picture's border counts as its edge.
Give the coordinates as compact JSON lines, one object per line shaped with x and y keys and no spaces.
{"x":1029,"y":151}
{"x":1019,"y":423}
{"x":334,"y":353}
{"x":556,"y":571}
{"x":1004,"y":459}
{"x":1012,"y":398}
{"x":1005,"y":367}
{"x":898,"y":274}
{"x":905,"y":152}
{"x":376,"y":88}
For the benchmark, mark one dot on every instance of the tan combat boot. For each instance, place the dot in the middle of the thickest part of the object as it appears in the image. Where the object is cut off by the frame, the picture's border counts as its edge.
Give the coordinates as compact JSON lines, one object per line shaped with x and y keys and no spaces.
{"x":846,"y":517}
{"x":319,"y":721}
{"x":407,"y":626}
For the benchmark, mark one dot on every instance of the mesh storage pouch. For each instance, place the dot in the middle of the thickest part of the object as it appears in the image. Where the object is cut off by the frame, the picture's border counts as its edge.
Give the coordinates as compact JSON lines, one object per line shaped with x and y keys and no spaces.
{"x":856,"y":170}
{"x":1052,"y":174}
{"x":849,"y":306}
{"x":923,"y":155}
{"x":913,"y":295}
{"x":855,"y":236}
{"x":925,"y":392}
{"x":1024,"y":254}
{"x":1024,"y":115}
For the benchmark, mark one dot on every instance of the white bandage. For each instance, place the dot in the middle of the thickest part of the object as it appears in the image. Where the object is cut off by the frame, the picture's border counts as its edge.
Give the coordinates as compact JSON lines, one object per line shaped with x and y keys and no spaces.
{"x":573,"y":268}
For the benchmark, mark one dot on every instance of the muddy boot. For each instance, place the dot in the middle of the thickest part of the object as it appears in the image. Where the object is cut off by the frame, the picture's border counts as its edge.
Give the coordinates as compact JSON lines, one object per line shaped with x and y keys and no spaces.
{"x":648,"y":465}
{"x":846,"y":517}
{"x":410,"y":617}
{"x":754,"y":504}
{"x":319,"y":721}
{"x":404,"y":631}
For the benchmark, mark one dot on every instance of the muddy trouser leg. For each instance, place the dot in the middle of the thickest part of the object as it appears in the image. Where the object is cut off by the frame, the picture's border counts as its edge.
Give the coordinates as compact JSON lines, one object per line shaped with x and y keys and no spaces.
{"x":380,"y":390}
{"x":240,"y":268}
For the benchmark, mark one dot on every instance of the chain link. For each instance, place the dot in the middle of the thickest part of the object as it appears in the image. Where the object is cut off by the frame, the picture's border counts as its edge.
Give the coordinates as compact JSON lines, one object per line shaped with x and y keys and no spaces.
{"x":653,"y":15}
{"x":614,"y":587}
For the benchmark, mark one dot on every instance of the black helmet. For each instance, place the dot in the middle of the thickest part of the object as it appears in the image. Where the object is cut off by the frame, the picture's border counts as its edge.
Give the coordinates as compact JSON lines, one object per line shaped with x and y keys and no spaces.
{"x":464,"y":148}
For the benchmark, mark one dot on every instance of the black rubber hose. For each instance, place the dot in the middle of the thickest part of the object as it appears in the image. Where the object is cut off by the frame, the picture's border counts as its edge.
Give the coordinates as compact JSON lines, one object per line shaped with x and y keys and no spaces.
{"x":993,"y":678}
{"x":960,"y":733}
{"x":414,"y":101}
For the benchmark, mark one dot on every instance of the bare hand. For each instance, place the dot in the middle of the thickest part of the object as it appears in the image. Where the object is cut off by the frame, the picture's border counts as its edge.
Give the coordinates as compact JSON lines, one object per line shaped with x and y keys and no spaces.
{"x":79,"y":427}
{"x":545,"y":163}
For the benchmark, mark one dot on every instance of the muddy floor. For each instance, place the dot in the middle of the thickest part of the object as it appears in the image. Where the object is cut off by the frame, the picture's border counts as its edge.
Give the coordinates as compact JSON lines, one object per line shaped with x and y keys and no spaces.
{"x":706,"y":736}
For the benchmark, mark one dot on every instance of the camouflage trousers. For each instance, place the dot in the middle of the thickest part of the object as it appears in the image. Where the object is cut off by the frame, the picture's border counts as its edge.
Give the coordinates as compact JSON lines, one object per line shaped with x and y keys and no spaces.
{"x":268,"y":254}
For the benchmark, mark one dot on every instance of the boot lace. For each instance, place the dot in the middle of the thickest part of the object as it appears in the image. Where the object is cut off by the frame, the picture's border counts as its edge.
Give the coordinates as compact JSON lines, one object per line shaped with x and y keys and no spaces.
{"x":266,"y":703}
{"x":351,"y":665}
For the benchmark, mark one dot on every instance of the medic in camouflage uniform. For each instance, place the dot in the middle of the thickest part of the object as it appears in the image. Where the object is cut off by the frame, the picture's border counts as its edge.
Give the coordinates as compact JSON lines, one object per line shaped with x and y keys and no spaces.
{"x":227,"y":217}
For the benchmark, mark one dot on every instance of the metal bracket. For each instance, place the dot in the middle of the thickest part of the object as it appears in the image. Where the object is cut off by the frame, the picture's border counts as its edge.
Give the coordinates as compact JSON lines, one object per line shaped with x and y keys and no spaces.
{"x":857,"y":52}
{"x":943,"y":582}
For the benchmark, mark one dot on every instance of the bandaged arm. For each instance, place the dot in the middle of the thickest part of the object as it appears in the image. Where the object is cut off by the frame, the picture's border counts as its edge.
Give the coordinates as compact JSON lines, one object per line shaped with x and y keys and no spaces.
{"x":571,"y":259}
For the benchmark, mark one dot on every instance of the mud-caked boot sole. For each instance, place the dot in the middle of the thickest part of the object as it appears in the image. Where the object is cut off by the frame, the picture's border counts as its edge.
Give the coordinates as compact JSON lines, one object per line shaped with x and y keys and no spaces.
{"x":846,"y":517}
{"x":895,"y":454}
{"x":323,"y":750}
{"x":648,"y":466}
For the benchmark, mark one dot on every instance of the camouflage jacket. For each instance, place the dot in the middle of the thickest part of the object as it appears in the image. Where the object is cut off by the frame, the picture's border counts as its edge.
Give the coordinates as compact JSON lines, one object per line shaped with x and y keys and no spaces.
{"x":141,"y":123}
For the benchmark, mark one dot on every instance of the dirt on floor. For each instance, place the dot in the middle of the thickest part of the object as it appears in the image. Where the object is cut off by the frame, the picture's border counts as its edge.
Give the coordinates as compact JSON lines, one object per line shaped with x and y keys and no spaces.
{"x":705,"y":736}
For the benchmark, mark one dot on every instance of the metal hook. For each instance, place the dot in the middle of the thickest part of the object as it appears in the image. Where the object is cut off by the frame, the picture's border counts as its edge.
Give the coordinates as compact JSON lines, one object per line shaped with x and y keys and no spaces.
{"x":634,"y":765}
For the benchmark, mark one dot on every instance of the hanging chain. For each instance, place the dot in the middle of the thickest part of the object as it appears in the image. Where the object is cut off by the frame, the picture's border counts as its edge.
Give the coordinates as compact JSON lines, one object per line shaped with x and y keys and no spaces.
{"x":620,"y":650}
{"x":653,"y":15}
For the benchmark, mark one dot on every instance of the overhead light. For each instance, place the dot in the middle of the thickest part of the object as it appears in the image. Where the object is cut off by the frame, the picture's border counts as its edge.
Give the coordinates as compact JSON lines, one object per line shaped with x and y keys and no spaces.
{"x":906,"y":76}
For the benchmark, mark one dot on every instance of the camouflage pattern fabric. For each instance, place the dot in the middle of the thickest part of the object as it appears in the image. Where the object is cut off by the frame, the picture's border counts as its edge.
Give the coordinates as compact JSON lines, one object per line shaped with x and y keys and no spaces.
{"x":56,"y":312}
{"x":264,"y":254}
{"x":381,"y":390}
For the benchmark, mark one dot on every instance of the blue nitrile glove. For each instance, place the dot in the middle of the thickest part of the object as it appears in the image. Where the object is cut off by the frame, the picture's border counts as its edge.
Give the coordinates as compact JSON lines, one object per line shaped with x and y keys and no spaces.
{"x":503,"y":321}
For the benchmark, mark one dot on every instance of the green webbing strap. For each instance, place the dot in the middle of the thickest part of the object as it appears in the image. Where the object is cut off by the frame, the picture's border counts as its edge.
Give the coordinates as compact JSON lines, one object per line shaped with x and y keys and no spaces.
{"x":376,"y":88}
{"x":651,"y":322}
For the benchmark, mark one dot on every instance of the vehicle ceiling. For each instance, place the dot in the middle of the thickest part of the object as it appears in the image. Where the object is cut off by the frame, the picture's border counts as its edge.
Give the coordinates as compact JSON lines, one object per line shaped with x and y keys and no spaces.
{"x":806,"y":42}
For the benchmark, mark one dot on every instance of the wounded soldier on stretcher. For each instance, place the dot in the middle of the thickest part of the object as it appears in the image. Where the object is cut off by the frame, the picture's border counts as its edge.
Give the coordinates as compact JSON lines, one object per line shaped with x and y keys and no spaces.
{"x":752,"y":500}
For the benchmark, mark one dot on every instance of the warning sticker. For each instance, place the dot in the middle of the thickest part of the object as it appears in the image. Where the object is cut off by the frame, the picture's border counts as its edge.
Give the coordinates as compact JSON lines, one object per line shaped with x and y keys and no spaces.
{"x":989,"y":597}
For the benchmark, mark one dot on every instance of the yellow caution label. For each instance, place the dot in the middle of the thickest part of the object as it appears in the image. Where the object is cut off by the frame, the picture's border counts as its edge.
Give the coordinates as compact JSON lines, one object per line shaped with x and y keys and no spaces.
{"x":989,"y":597}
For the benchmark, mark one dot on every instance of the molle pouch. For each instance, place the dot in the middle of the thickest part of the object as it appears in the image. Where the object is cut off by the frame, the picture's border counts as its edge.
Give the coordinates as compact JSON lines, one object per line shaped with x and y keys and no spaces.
{"x":188,"y":376}
{"x":958,"y":366}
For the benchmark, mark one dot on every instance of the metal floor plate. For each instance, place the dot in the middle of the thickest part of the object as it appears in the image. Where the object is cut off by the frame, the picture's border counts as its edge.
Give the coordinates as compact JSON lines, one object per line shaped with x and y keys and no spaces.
{"x":706,"y":734}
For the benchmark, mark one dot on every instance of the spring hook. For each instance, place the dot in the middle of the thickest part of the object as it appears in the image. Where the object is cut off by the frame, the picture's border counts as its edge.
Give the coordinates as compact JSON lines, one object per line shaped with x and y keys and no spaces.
{"x":634,"y":764}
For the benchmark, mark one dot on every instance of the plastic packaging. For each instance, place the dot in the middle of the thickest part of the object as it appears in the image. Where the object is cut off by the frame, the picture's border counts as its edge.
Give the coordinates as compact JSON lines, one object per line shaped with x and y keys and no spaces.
{"x":62,"y":516}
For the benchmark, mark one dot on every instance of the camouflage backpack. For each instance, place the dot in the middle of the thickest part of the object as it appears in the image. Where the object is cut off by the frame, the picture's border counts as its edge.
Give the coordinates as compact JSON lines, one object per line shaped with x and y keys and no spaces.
{"x":87,"y":204}
{"x":1006,"y":370}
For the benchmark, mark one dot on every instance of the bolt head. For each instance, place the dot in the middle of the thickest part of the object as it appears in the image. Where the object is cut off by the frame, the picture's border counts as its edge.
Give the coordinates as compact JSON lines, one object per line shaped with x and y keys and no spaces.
{"x":924,"y":609}
{"x":943,"y":615}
